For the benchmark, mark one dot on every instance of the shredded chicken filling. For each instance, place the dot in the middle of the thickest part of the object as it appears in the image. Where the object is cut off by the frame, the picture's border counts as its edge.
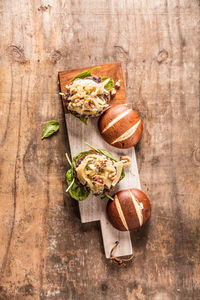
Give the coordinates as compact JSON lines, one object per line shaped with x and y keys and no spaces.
{"x":87,"y":96}
{"x":99,"y":172}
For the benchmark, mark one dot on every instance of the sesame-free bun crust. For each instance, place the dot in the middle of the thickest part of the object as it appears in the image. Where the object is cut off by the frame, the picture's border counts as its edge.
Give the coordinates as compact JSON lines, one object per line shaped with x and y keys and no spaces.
{"x":121,"y":126}
{"x":130,"y":209}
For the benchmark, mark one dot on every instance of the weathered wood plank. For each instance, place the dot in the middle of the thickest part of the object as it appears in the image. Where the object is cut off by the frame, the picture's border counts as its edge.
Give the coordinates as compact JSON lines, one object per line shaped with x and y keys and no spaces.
{"x":45,"y":253}
{"x":93,"y":208}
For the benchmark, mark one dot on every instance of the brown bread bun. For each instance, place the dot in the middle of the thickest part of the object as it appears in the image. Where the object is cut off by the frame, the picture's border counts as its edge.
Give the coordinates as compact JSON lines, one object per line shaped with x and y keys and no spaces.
{"x":130,"y":209}
{"x":121,"y":126}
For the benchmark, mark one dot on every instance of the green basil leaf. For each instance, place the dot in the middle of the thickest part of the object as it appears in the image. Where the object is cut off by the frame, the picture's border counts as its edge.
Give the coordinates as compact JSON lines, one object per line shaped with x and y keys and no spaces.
{"x":84,"y":74}
{"x":50,"y":128}
{"x":83,"y":119}
{"x":110,"y":83}
{"x":75,"y":191}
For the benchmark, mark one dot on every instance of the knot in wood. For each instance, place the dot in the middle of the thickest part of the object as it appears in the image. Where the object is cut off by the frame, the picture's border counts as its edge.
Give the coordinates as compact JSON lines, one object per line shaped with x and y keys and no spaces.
{"x":162,"y":56}
{"x":55,"y":56}
{"x":17,"y":54}
{"x":43,"y":7}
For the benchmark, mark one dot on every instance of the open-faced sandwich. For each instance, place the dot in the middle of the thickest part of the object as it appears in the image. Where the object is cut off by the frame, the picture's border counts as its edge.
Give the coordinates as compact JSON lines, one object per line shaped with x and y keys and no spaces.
{"x":95,"y":171}
{"x":87,"y":95}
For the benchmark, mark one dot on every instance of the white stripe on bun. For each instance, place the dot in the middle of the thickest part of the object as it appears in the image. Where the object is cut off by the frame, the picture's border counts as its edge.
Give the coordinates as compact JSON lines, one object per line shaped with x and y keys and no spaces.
{"x":116,"y":119}
{"x":138,"y":207}
{"x":121,"y":126}
{"x":127,"y":134}
{"x":120,"y":212}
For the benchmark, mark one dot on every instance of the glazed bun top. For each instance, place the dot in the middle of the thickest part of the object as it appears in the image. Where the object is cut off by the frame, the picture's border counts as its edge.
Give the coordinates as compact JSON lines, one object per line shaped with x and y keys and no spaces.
{"x":121,"y":126}
{"x":130,"y":209}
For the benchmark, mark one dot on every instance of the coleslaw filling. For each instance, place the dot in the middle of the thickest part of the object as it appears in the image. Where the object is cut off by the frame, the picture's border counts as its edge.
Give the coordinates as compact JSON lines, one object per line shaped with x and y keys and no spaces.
{"x":87,"y":96}
{"x":98,"y":172}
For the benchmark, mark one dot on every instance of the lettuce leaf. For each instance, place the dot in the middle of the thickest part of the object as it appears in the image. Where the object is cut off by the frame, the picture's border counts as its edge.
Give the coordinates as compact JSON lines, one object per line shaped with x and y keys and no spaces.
{"x":110,"y":83}
{"x":84,"y":74}
{"x":76,"y":191}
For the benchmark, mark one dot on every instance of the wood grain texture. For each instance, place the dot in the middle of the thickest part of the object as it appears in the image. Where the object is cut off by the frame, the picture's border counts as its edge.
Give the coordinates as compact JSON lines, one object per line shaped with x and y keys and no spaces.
{"x":45,"y":252}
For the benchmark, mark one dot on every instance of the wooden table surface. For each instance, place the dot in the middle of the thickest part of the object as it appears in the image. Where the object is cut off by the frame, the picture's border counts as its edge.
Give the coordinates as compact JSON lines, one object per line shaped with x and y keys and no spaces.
{"x":45,"y":251}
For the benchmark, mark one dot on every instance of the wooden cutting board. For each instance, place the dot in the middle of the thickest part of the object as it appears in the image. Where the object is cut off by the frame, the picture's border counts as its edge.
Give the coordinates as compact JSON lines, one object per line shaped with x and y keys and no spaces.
{"x":94,"y":208}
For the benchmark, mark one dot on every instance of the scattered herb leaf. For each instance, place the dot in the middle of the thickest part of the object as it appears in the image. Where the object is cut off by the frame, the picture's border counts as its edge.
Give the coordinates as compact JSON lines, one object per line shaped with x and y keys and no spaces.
{"x":84,"y":74}
{"x":110,"y":83}
{"x":50,"y":128}
{"x":74,"y":189}
{"x":62,"y":94}
{"x":83,"y":119}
